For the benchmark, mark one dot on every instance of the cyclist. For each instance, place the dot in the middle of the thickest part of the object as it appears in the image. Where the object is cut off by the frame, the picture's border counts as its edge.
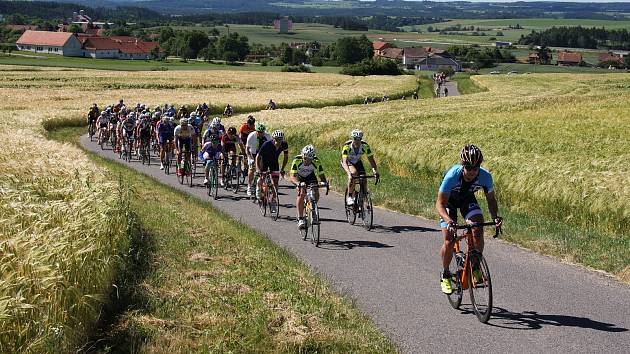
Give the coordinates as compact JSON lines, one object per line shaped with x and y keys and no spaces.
{"x":253,"y":142}
{"x":128,"y":127}
{"x":183,"y":112}
{"x":267,"y":160}
{"x":229,"y":142}
{"x":457,"y":191}
{"x":93,"y":115}
{"x":217,"y":120}
{"x":211,"y":152}
{"x":305,"y":168}
{"x":184,"y":134}
{"x":143,"y":130}
{"x":445,"y":91}
{"x":113,"y":129}
{"x":248,"y":127}
{"x":228,"y":111}
{"x":271,"y":105}
{"x":213,"y":130}
{"x":165,"y":129}
{"x":351,"y":154}
{"x":102,"y":123}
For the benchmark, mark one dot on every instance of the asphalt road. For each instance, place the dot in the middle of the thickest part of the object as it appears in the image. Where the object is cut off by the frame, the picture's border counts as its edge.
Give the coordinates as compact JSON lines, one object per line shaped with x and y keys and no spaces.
{"x":541,"y":304}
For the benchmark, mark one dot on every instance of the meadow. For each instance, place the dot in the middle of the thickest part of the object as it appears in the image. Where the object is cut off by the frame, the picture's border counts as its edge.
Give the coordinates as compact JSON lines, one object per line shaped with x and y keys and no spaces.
{"x":69,"y":225}
{"x":555,"y":143}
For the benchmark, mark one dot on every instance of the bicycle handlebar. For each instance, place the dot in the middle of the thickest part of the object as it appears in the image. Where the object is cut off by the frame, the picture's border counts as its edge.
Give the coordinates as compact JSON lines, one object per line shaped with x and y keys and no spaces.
{"x":318,"y":184}
{"x":377,"y":178}
{"x":480,"y":224}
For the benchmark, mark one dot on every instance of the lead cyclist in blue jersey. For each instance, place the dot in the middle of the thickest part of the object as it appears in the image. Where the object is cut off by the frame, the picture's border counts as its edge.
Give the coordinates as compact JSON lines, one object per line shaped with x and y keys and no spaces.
{"x":457,"y":192}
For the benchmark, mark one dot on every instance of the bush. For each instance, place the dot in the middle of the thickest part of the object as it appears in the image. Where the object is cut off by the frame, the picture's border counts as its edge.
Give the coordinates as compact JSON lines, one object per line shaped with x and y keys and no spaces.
{"x":296,"y":69}
{"x":372,"y":67}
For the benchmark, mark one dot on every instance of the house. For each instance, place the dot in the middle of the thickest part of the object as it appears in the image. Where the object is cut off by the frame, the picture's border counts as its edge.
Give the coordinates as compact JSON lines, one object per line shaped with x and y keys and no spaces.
{"x":395,"y":54}
{"x":100,"y":48}
{"x":502,"y":45}
{"x":283,"y":25}
{"x":533,"y":58}
{"x":569,"y":59}
{"x":413,"y":56}
{"x":62,"y":43}
{"x":611,"y":57}
{"x":378,"y":47}
{"x":436,"y":62}
{"x":120,"y":47}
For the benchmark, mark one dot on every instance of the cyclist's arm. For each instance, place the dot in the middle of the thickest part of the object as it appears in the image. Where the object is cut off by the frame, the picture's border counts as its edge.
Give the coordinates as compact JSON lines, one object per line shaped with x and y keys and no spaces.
{"x":440,"y":205}
{"x":259,"y":162}
{"x":493,"y":206}
{"x":373,"y":163}
{"x":285,"y":160}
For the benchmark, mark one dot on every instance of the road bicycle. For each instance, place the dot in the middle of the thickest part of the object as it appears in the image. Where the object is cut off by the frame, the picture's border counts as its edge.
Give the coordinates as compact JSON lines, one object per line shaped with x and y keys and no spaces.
{"x":168,"y":152}
{"x":103,"y":137}
{"x":145,"y":151}
{"x":184,"y":169}
{"x":113,"y":138}
{"x":125,"y":151}
{"x":91,"y":129}
{"x":311,"y":211}
{"x":470,"y":271}
{"x":269,"y":197}
{"x":362,"y":206}
{"x":213,"y":180}
{"x":233,"y":173}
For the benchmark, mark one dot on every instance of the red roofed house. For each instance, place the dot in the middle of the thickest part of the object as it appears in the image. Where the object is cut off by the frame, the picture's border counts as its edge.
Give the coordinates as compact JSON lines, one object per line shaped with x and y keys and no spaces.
{"x":62,"y":43}
{"x":395,"y":54}
{"x":611,"y":57}
{"x":569,"y":59}
{"x":99,"y":48}
{"x":378,"y":47}
{"x":119,"y":48}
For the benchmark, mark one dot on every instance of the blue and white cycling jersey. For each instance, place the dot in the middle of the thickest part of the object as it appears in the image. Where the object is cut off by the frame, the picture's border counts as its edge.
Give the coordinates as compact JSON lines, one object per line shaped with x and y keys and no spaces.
{"x":453,"y":182}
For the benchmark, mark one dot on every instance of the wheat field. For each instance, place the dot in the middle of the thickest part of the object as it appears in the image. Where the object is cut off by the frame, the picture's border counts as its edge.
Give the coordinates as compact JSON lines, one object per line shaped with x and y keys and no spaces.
{"x":63,"y":224}
{"x":557,"y":145}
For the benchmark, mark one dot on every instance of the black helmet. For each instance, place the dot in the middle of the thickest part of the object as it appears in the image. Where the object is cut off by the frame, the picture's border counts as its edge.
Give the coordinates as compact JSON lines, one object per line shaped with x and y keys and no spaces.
{"x":232,"y":130}
{"x":251,"y":120}
{"x":471,"y":156}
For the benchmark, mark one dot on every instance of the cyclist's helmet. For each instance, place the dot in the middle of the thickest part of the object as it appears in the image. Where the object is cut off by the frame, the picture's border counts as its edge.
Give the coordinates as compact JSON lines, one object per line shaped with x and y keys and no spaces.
{"x":471,"y":156}
{"x":251,"y":120}
{"x":260,"y":127}
{"x":214,"y":139}
{"x":171,"y":119}
{"x":277,"y":134}
{"x":215,"y":125}
{"x":183,"y":121}
{"x":308,"y":152}
{"x":231,"y":130}
{"x":216,"y":120}
{"x":157,"y":114}
{"x":108,"y":109}
{"x":356,"y":134}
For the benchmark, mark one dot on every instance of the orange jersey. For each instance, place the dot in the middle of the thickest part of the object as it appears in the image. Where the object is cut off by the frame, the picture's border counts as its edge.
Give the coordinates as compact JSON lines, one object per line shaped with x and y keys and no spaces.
{"x":245,"y":130}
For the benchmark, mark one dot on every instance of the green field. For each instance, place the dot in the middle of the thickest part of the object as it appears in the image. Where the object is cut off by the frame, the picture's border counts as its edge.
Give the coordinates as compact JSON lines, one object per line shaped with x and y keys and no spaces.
{"x":50,"y":60}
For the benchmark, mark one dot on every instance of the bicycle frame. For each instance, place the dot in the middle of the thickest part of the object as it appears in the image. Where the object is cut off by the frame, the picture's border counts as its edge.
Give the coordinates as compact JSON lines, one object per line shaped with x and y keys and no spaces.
{"x":468,"y":235}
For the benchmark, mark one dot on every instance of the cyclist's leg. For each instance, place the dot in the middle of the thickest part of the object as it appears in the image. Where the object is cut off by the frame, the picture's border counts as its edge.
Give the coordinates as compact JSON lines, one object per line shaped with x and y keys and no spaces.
{"x":299,"y":201}
{"x":447,"y":247}
{"x":350,"y":185}
{"x":361,"y":171}
{"x":473,"y":213}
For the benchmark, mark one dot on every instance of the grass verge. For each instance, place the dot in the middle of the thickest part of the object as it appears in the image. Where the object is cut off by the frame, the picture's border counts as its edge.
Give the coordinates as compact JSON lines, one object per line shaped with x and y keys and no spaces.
{"x":209,"y":284}
{"x":465,"y":85}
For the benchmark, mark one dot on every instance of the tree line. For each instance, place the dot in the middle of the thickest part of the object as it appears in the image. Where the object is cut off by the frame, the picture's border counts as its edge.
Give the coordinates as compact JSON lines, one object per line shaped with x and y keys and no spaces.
{"x":476,"y":58}
{"x":579,"y":37}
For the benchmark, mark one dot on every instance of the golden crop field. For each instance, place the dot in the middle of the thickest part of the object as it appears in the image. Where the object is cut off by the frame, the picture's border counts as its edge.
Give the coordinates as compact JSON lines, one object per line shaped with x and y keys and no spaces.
{"x":63,"y":224}
{"x":557,"y":145}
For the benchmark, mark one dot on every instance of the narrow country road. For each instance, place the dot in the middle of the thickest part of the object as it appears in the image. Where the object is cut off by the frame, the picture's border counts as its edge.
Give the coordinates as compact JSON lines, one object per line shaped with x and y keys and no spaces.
{"x":541,"y":305}
{"x":450,"y":85}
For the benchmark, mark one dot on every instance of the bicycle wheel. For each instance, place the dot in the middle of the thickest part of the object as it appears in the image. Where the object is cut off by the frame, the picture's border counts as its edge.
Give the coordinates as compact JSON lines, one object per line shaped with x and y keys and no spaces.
{"x":455,"y":298}
{"x":189,"y":174}
{"x":167,"y":163}
{"x":262,"y":203}
{"x":273,"y":193}
{"x":314,"y":224}
{"x":367,"y":214}
{"x":236,"y":178}
{"x":215,"y":184}
{"x":307,"y":222}
{"x":351,"y":216}
{"x":148,"y":155}
{"x":181,"y":174}
{"x":210,"y":182}
{"x":480,"y":289}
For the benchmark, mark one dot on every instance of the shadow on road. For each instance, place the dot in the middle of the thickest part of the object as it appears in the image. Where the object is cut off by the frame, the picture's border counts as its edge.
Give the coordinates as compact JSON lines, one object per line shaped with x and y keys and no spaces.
{"x":330,"y":244}
{"x":400,"y":229}
{"x":528,"y":320}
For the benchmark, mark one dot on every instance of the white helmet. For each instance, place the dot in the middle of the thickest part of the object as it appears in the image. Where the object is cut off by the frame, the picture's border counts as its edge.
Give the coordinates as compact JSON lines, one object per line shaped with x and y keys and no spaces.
{"x":356,"y":134}
{"x":216,"y":120}
{"x":308,"y":152}
{"x":183,"y":121}
{"x":277,"y":134}
{"x":171,"y":119}
{"x":193,"y":114}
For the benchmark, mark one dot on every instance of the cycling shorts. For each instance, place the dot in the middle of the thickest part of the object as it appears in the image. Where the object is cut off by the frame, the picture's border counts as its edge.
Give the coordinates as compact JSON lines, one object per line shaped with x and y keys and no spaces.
{"x":103,"y":125}
{"x":468,"y":207}
{"x":272,"y":166}
{"x":185,"y":144}
{"x":127,"y":133}
{"x":358,"y":166}
{"x":165,"y":137}
{"x":308,"y":179}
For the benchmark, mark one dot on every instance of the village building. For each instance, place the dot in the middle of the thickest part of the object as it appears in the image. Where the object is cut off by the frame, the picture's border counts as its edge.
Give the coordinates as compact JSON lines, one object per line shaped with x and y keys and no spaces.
{"x":379,"y":46}
{"x":69,"y":44}
{"x":437,"y":62}
{"x":61,"y":43}
{"x":611,"y":57}
{"x":569,"y":59}
{"x":501,"y":45}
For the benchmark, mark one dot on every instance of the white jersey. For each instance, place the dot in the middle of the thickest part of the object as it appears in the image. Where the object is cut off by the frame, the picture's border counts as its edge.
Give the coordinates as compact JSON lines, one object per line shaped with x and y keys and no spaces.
{"x":252,"y":142}
{"x":180,"y":132}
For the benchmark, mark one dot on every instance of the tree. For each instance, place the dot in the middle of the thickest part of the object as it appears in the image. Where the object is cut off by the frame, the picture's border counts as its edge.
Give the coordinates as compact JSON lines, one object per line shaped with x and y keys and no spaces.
{"x":233,"y":43}
{"x":544,"y":55}
{"x":287,"y":54}
{"x":350,"y":50}
{"x":230,"y":57}
{"x":166,"y":33}
{"x":74,"y":28}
